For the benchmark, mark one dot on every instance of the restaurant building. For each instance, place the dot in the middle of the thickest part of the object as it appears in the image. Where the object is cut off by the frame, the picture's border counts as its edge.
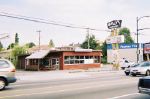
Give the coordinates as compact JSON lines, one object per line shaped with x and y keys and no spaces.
{"x":63,"y":59}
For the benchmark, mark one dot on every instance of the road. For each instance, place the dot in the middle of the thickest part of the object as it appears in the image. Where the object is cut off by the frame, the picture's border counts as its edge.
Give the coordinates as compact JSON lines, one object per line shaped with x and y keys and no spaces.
{"x":97,"y":86}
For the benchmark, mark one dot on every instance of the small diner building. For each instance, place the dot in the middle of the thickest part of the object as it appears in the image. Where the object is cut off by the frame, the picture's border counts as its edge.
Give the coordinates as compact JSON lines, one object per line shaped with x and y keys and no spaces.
{"x":63,"y":59}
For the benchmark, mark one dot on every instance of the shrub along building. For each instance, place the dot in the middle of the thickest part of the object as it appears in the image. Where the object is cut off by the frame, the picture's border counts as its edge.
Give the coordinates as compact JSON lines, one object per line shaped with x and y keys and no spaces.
{"x":63,"y":59}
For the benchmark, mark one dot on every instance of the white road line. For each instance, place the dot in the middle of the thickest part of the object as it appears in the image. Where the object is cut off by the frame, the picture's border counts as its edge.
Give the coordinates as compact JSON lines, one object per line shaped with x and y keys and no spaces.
{"x":57,"y":91}
{"x":126,"y":95}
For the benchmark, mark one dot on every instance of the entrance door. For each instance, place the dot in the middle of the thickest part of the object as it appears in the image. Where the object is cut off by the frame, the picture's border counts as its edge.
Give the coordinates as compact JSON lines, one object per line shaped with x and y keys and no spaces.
{"x":55,"y":64}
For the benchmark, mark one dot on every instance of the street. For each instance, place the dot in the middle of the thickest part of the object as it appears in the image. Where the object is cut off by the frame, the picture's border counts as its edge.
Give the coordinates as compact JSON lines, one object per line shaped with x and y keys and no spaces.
{"x":95,"y":85}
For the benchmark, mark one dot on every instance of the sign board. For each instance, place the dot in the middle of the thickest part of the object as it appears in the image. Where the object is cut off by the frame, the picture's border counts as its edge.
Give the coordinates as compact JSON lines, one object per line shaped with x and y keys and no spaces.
{"x":114,"y":24}
{"x":147,"y":48}
{"x":115,"y":39}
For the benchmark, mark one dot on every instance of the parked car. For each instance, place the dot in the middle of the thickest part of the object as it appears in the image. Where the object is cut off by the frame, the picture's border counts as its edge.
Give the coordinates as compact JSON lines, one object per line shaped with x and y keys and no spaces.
{"x":7,"y":73}
{"x":127,"y":70}
{"x":142,"y":69}
{"x":144,"y":85}
{"x":124,"y":63}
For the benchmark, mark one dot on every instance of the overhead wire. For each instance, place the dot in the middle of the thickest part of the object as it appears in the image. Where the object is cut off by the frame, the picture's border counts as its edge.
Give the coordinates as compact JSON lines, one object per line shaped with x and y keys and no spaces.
{"x":39,"y":20}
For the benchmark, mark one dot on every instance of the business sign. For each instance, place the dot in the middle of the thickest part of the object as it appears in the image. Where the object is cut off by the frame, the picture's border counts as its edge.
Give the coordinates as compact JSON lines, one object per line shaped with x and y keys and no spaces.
{"x":114,"y":24}
{"x":147,"y":48}
{"x":115,"y":39}
{"x":124,"y":46}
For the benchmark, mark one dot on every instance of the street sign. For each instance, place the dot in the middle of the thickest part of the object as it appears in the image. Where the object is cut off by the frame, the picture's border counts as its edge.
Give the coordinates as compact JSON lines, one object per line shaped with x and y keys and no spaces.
{"x":114,"y":24}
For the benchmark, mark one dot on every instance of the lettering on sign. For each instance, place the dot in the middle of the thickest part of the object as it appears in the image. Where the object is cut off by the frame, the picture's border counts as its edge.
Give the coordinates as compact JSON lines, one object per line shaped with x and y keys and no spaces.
{"x":114,"y":24}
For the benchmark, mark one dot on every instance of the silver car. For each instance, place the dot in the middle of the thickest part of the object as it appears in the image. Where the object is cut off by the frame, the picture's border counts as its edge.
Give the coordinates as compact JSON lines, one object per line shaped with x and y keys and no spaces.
{"x":142,"y":69}
{"x":7,"y":73}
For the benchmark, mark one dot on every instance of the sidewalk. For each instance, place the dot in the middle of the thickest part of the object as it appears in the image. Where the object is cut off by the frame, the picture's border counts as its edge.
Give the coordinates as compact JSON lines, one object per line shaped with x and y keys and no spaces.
{"x":33,"y":76}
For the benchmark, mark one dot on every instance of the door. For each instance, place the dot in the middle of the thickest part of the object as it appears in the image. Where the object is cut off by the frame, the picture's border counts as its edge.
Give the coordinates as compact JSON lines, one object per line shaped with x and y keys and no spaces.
{"x":55,"y":64}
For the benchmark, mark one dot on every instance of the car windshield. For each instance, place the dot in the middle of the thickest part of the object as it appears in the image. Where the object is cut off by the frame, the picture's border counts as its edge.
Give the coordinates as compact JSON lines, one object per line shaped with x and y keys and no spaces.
{"x":3,"y":64}
{"x":135,"y":65}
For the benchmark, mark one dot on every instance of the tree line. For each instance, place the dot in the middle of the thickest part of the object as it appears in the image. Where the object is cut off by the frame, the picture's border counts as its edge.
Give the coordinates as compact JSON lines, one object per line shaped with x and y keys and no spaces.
{"x":17,"y":50}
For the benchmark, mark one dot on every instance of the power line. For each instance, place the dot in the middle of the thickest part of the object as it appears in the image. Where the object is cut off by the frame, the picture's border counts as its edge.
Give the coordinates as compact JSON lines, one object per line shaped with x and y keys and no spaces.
{"x":39,"y":20}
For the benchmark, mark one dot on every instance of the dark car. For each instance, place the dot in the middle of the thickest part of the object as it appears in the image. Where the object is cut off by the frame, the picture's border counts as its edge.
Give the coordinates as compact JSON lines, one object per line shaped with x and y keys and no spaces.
{"x":144,"y":85}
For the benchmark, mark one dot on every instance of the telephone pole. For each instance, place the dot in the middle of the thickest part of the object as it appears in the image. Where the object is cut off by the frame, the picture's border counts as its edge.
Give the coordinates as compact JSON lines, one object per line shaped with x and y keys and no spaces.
{"x":88,"y":38}
{"x":39,"y":38}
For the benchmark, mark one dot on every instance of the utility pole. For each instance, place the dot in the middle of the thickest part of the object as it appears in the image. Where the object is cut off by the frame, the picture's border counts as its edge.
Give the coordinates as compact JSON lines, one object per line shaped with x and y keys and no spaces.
{"x":88,"y":38}
{"x":39,"y":38}
{"x":137,"y":20}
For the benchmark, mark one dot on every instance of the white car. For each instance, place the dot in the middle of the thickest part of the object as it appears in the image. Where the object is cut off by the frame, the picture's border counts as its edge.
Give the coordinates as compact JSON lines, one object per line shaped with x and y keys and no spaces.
{"x":128,"y":69}
{"x":7,"y":73}
{"x":124,"y":63}
{"x":142,"y":69}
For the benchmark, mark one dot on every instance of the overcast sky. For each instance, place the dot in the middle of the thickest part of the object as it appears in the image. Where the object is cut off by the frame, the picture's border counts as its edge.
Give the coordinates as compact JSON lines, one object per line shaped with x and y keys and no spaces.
{"x":91,"y":13}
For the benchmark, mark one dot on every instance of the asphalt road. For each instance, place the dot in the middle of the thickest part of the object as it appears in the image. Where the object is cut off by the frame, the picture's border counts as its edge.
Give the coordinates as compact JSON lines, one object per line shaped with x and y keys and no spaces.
{"x":108,"y":86}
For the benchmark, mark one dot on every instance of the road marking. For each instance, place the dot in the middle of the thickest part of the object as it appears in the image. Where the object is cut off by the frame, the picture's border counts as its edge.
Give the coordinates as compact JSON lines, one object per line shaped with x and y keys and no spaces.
{"x":58,"y":91}
{"x":126,"y":95}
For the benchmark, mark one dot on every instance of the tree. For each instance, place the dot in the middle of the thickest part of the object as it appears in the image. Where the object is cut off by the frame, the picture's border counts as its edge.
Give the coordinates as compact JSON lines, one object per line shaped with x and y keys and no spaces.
{"x":11,"y":46}
{"x":16,"y":39}
{"x":16,"y":51}
{"x":30,"y":45}
{"x":51,"y":43}
{"x":126,"y":33}
{"x":93,"y":44}
{"x":104,"y":52}
{"x":1,"y":46}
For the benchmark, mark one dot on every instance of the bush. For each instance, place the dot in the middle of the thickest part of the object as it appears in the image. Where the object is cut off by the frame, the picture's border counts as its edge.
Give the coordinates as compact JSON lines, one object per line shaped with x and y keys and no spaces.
{"x":104,"y":60}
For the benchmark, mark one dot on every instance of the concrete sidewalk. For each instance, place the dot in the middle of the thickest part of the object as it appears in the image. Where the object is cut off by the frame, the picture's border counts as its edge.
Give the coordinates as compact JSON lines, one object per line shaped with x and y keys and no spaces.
{"x":34,"y":76}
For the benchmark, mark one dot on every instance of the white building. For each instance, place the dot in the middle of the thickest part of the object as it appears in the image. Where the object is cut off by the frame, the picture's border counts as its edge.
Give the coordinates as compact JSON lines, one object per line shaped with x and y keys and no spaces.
{"x":128,"y":51}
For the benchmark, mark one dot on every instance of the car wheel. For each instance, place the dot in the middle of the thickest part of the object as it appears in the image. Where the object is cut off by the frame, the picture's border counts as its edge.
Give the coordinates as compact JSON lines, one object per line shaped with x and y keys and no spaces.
{"x":127,"y":73}
{"x":147,"y":73}
{"x":2,"y":84}
{"x":133,"y":74}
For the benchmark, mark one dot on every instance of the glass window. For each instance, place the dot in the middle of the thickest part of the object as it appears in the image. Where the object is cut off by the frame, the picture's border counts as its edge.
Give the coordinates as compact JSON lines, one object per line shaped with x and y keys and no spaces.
{"x":77,"y":61}
{"x":71,"y":61}
{"x":77,"y":57}
{"x":4,"y":64}
{"x":81,"y":57}
{"x":71,"y":57}
{"x":66,"y":57}
{"x":87,"y":57}
{"x":81,"y":61}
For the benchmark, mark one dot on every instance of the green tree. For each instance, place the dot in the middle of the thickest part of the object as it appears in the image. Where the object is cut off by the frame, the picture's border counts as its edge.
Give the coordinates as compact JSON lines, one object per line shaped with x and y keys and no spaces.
{"x":104,"y":52}
{"x":126,"y":32}
{"x":51,"y":44}
{"x":30,"y":45}
{"x":93,"y":44}
{"x":11,"y":46}
{"x":1,"y":46}
{"x":16,"y":39}
{"x":16,"y":51}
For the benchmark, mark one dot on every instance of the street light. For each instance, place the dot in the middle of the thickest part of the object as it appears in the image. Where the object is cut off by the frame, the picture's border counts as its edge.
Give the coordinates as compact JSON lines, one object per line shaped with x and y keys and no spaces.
{"x":137,"y":20}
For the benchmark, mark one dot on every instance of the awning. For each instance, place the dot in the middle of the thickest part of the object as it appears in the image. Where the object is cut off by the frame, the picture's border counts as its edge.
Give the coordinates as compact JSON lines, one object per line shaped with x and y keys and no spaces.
{"x":38,"y":54}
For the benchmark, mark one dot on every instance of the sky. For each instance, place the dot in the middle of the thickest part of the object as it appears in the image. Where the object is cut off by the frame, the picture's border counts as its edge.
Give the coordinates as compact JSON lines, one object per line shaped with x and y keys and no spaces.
{"x":91,"y":13}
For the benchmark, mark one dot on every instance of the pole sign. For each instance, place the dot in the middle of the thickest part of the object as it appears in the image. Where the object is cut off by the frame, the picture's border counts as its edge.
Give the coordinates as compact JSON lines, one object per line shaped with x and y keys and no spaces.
{"x":115,"y":39}
{"x":114,"y":24}
{"x":147,"y":48}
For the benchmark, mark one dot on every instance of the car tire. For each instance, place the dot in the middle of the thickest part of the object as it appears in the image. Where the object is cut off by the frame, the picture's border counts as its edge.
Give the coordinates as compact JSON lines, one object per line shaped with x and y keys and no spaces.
{"x":133,"y":74}
{"x":2,"y":84}
{"x":127,"y":73}
{"x":147,"y":73}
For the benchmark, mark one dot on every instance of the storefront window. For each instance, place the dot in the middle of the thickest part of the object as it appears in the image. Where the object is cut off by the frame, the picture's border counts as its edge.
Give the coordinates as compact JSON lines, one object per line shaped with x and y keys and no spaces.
{"x":81,"y":59}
